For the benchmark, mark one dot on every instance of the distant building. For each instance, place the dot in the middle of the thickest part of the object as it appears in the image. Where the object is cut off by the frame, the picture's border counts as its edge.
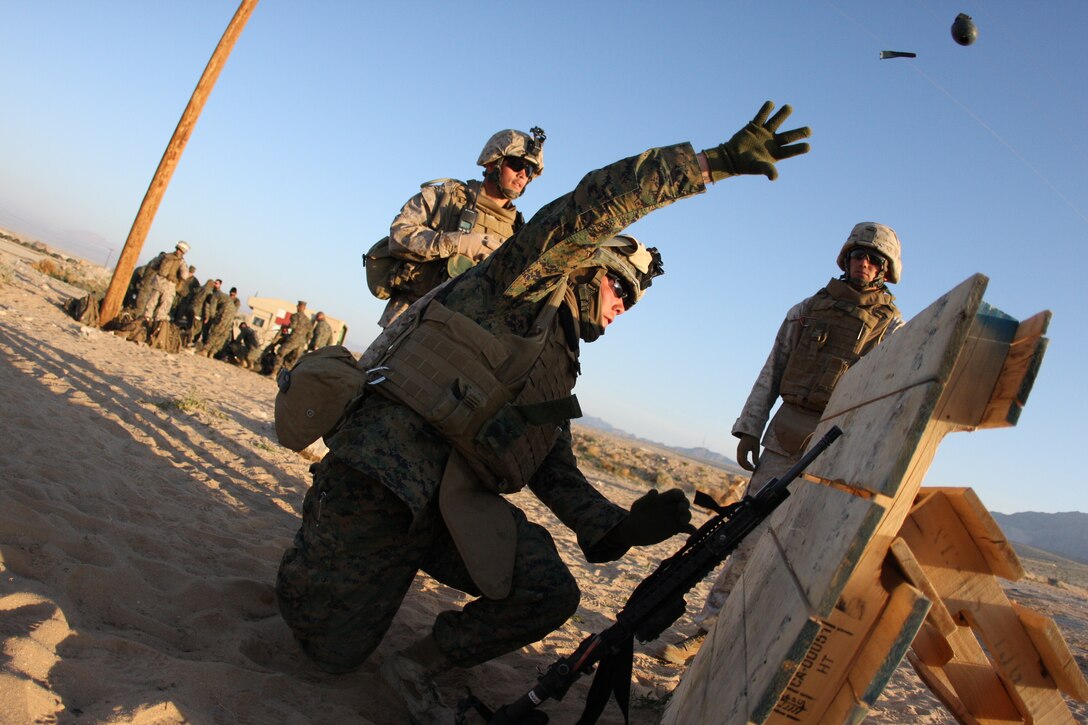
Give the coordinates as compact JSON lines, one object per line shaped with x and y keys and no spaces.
{"x":270,"y":313}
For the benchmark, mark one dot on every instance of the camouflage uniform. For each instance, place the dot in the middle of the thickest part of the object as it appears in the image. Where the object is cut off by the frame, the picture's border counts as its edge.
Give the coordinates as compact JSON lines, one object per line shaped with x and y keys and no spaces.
{"x":425,"y":231}
{"x":221,"y":325}
{"x":187,"y":288}
{"x":162,"y":285}
{"x":371,"y":518}
{"x":322,"y":336}
{"x":783,"y":441}
{"x":295,"y":344}
{"x":200,"y":298}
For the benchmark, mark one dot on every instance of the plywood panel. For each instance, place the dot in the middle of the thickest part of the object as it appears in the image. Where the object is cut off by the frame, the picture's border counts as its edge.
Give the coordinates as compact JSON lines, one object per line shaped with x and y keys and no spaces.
{"x":822,"y":559}
{"x":758,"y":649}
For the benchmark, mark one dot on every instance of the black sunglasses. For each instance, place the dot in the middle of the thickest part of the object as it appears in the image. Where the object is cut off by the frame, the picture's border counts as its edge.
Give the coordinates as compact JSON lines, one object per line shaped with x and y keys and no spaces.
{"x":617,"y":288}
{"x":875,"y":258}
{"x":517,"y":163}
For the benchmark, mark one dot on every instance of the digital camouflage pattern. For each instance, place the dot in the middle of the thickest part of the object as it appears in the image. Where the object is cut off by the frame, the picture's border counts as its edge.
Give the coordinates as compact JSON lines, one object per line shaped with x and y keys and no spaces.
{"x":364,"y":555}
{"x":298,"y":339}
{"x":222,"y":325}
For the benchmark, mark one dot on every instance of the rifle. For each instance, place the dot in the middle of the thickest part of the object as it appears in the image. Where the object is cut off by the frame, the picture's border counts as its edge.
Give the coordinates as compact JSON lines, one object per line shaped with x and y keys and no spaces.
{"x":653,"y":606}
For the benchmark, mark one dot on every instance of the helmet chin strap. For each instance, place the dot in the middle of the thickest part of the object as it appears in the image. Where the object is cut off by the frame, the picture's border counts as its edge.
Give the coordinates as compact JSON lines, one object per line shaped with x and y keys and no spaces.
{"x":495,"y":176}
{"x":877,"y":281}
{"x":588,"y":295}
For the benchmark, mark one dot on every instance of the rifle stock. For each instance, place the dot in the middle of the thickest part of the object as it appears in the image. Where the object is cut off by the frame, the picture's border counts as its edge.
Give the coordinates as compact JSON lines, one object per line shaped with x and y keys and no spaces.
{"x":655,"y":604}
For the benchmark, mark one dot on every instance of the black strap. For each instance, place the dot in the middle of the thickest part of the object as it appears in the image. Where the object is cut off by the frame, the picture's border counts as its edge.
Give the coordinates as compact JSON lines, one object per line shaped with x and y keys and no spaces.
{"x":613,"y":678}
{"x":551,"y":411}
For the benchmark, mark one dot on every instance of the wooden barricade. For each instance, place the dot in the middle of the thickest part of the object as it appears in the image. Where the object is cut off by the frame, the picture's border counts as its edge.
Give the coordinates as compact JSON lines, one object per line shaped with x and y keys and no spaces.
{"x":823,"y":614}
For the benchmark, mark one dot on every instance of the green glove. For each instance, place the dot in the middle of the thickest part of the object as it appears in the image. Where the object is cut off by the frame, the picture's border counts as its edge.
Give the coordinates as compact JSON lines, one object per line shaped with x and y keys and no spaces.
{"x":654,"y":518}
{"x":755,"y":148}
{"x":748,"y":446}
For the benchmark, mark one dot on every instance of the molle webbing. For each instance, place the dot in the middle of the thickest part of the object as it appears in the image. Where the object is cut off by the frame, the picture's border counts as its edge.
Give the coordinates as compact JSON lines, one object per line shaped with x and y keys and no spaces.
{"x":835,"y":331}
{"x":169,"y":266}
{"x":498,"y":221}
{"x":494,"y":398}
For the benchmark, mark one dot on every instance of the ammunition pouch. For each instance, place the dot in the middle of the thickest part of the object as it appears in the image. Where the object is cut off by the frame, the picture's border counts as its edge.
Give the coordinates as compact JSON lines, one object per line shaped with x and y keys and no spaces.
{"x":468,"y":385}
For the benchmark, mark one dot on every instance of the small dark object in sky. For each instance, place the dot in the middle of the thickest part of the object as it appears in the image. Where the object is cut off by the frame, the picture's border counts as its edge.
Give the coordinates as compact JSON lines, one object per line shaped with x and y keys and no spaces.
{"x":885,"y":54}
{"x":964,"y":31}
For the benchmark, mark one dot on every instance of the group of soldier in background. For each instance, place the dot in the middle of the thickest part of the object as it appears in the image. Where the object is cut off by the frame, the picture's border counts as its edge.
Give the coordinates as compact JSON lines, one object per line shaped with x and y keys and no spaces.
{"x":165,"y":298}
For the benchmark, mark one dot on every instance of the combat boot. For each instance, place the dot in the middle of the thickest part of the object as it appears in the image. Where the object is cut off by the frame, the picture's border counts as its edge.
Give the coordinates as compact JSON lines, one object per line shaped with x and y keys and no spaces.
{"x":684,"y":651}
{"x":409,"y":674}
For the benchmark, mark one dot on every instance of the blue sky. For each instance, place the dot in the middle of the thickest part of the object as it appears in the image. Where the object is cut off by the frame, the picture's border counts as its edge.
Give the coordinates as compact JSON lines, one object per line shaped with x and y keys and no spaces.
{"x":328,"y":116}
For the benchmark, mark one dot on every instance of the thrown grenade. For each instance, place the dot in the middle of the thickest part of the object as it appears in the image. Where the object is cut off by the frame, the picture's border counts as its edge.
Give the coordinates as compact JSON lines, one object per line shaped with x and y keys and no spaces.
{"x":964,"y":31}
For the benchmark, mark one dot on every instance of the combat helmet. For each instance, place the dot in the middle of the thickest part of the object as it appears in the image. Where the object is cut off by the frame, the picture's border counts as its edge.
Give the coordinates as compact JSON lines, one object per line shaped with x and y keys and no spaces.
{"x":182,"y":247}
{"x":510,"y":142}
{"x":878,"y":237}
{"x":632,"y":262}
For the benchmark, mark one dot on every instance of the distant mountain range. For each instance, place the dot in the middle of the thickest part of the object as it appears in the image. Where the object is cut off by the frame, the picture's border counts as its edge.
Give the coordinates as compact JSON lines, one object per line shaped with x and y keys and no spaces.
{"x":1064,"y":534}
{"x":700,"y":454}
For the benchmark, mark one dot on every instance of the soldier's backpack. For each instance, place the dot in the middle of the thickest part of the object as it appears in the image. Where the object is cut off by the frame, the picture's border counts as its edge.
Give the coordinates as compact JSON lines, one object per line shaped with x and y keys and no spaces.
{"x":314,"y":395}
{"x":165,"y":336}
{"x":386,"y":274}
{"x":84,"y":309}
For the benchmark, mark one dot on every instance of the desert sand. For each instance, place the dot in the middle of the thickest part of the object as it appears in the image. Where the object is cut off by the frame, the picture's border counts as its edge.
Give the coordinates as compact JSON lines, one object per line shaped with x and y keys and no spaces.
{"x":144,"y":506}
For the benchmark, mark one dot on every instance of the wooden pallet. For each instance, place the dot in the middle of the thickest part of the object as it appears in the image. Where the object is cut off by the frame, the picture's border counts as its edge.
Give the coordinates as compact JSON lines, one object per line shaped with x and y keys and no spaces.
{"x":824,"y":612}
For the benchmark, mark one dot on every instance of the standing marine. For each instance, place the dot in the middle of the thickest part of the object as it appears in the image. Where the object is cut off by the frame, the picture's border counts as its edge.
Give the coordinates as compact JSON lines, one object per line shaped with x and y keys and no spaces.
{"x":222,"y":324}
{"x":162,"y":283}
{"x":322,"y":336}
{"x":451,"y":225}
{"x":471,"y":399}
{"x":820,"y":339}
{"x":296,"y":341}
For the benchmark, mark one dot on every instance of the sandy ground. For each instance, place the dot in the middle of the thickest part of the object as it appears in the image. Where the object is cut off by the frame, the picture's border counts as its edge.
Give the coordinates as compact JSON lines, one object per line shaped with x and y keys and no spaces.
{"x":144,"y":506}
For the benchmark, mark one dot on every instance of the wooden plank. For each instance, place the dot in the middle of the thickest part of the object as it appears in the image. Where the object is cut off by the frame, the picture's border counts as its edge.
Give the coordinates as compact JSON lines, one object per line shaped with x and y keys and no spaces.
{"x":823,"y":558}
{"x":1018,"y":375}
{"x":769,"y":635}
{"x":971,"y":676}
{"x":931,"y":646}
{"x":938,"y":616}
{"x":999,"y":554}
{"x":888,"y":642}
{"x":881,"y":441}
{"x":961,"y":575}
{"x":1054,"y":652}
{"x":981,"y":359}
{"x":935,"y":679}
{"x":807,"y":695}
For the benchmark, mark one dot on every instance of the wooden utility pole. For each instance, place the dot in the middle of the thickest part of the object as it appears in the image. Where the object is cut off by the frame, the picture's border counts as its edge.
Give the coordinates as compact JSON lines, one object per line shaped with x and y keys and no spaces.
{"x":122,"y":274}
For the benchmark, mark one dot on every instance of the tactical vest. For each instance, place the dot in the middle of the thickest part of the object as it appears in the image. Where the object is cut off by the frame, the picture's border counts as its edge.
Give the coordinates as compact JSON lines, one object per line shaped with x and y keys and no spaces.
{"x":417,"y":278}
{"x":498,"y":399}
{"x":170,"y":266}
{"x":837,"y":326}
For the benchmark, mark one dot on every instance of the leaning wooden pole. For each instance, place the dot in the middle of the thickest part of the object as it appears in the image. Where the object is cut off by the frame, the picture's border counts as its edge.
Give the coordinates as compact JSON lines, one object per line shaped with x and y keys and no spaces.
{"x":122,"y":274}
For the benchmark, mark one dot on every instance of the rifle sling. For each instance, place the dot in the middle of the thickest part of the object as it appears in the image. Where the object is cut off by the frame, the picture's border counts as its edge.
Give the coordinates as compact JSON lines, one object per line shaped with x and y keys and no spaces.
{"x":613,"y":678}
